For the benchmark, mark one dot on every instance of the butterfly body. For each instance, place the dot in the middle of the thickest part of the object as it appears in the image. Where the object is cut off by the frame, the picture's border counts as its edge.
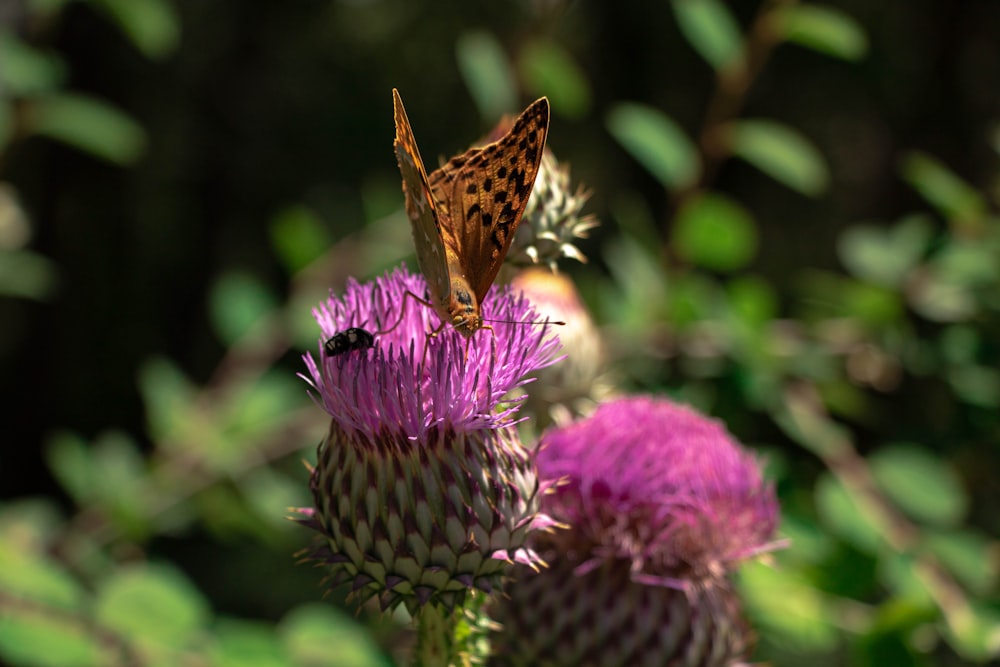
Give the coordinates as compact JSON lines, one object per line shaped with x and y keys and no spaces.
{"x":464,"y":215}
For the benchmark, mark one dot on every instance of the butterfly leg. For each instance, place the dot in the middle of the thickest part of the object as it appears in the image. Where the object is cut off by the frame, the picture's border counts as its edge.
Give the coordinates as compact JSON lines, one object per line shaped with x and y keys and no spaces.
{"x":402,"y":311}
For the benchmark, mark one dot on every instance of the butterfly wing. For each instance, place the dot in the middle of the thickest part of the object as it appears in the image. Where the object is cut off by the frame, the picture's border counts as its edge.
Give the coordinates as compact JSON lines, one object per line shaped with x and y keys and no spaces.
{"x":420,"y":207}
{"x":484,"y":192}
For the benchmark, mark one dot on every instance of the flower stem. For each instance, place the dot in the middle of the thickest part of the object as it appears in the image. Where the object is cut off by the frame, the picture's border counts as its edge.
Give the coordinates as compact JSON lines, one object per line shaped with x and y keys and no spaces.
{"x":453,"y":639}
{"x":435,"y":636}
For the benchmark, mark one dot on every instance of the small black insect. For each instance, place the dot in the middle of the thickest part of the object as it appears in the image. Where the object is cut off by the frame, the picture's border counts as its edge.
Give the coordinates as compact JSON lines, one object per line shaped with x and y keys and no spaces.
{"x":348,"y":340}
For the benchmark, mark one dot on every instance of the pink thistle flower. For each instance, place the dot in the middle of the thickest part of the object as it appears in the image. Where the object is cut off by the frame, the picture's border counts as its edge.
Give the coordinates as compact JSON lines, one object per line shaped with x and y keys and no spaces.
{"x":422,"y":489}
{"x":662,"y":505}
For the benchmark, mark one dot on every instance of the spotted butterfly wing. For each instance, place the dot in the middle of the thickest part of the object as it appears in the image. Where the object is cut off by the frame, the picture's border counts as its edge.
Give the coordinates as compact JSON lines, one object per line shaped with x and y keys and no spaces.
{"x":465,"y":214}
{"x":487,"y":189}
{"x":421,"y":210}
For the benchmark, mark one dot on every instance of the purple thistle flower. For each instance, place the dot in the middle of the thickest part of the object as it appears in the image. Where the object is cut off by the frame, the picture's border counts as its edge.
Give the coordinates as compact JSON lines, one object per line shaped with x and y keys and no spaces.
{"x":422,"y":489}
{"x":662,"y":505}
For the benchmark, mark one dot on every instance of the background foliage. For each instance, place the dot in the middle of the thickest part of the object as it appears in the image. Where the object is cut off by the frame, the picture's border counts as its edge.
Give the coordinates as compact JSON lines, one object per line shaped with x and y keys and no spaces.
{"x":799,"y":235}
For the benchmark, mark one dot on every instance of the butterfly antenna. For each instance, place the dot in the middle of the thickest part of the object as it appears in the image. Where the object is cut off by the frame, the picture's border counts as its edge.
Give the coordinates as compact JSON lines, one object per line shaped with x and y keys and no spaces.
{"x":544,"y":322}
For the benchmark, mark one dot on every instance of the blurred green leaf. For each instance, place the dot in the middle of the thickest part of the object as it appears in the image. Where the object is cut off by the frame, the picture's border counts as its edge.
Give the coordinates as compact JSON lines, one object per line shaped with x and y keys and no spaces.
{"x":263,"y":490}
{"x":40,"y":640}
{"x":310,"y":630}
{"x":152,"y":605}
{"x":33,"y":576}
{"x":967,"y":556}
{"x":27,"y":275}
{"x":6,"y":121}
{"x":714,"y":232}
{"x":15,"y":225}
{"x":975,"y":638}
{"x":168,"y":396}
{"x":823,"y":29}
{"x":920,"y":483}
{"x":886,"y":640}
{"x":25,"y":70}
{"x":968,"y":262}
{"x":487,"y":72}
{"x":782,"y":153}
{"x":976,"y":385}
{"x":152,"y":25}
{"x":940,"y":299}
{"x":28,"y":525}
{"x":71,"y":460}
{"x":123,"y":486}
{"x":959,"y":344}
{"x":885,"y":256}
{"x":640,"y":285}
{"x":904,"y":613}
{"x":810,"y":544}
{"x":711,"y":30}
{"x":656,"y":142}
{"x":842,"y":513}
{"x":694,"y":297}
{"x":873,"y":305}
{"x":753,"y":299}
{"x":249,"y":644}
{"x":255,"y":407}
{"x":237,"y":302}
{"x":550,"y":70}
{"x":785,"y":607}
{"x":949,"y":194}
{"x":299,"y":237}
{"x":90,"y":125}
{"x":834,"y":295}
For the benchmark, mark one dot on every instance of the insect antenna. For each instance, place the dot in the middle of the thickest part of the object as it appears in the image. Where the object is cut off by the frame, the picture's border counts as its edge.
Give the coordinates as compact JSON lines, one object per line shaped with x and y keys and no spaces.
{"x":544,"y":322}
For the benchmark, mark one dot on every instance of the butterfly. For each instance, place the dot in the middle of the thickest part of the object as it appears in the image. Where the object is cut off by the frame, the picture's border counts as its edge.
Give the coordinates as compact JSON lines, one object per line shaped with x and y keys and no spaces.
{"x":465,"y":214}
{"x":348,"y":340}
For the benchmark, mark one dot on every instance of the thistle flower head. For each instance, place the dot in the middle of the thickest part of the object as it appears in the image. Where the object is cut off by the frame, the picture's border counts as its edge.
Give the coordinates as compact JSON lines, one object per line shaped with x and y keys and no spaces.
{"x":662,"y":504}
{"x":661,"y":486}
{"x":422,"y":490}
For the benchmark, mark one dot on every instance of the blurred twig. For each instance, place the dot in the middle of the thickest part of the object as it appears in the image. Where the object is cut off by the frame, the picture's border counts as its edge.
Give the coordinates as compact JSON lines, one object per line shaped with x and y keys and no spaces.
{"x":803,"y":409}
{"x":732,"y":83}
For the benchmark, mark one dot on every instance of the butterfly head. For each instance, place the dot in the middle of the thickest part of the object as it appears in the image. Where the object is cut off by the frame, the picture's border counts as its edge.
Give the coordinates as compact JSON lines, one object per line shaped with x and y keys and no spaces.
{"x":463,"y":309}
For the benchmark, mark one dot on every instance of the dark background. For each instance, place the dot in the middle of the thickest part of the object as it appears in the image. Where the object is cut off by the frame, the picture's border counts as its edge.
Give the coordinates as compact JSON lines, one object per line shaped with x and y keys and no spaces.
{"x":262,"y":106}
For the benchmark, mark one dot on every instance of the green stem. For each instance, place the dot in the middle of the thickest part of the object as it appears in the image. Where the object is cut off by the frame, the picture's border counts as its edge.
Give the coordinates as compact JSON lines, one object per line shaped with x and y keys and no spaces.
{"x":435,"y":637}
{"x":457,"y":638}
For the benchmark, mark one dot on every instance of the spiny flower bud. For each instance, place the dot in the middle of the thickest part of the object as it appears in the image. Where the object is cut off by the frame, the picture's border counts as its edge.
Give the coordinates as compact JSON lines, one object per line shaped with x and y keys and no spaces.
{"x":552,"y":219}
{"x":422,"y":489}
{"x":662,"y":506}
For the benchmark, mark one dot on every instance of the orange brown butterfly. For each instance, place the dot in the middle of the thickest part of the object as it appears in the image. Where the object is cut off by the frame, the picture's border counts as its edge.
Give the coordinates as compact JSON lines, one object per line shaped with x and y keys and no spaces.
{"x":465,"y":214}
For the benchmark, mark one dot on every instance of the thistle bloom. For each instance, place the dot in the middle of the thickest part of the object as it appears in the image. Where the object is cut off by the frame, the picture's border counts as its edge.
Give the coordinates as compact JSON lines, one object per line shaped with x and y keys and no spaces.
{"x":422,"y":490}
{"x":662,"y":505}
